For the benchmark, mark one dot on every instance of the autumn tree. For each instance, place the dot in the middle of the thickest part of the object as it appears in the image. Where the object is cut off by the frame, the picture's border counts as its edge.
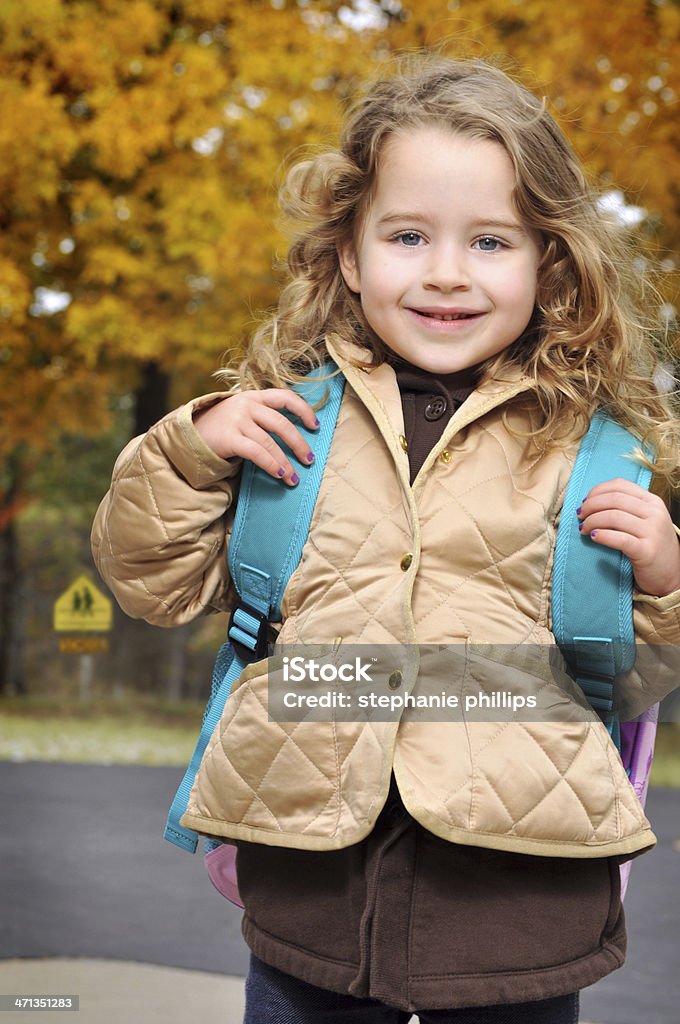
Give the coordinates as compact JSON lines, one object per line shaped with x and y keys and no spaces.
{"x":139,"y":145}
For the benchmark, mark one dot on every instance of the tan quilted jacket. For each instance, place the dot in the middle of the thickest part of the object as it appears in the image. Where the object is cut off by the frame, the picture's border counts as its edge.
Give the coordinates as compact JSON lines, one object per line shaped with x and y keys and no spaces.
{"x":479,"y":525}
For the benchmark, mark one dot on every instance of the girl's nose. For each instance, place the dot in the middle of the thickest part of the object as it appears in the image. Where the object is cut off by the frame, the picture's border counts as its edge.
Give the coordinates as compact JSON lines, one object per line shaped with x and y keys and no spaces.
{"x":446,"y":271}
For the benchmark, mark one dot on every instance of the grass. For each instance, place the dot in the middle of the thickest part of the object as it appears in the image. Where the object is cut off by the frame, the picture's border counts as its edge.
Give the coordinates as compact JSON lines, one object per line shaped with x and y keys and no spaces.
{"x":146,"y":730}
{"x":666,"y":764}
{"x":133,"y":730}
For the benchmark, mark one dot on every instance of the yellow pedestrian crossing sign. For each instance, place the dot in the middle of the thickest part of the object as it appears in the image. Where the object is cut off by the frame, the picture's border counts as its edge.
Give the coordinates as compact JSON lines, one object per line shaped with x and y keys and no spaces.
{"x":82,"y":608}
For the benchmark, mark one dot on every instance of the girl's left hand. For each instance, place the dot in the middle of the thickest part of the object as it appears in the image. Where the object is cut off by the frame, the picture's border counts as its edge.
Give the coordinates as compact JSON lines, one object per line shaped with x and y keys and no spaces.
{"x":622,"y":515}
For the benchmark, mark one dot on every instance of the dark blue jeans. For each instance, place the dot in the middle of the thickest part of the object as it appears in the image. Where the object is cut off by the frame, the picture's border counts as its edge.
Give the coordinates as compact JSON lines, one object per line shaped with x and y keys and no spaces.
{"x":276,"y":998}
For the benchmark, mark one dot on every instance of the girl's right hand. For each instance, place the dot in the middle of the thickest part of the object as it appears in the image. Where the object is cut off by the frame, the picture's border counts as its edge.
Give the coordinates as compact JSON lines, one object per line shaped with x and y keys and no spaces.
{"x":241,"y":425}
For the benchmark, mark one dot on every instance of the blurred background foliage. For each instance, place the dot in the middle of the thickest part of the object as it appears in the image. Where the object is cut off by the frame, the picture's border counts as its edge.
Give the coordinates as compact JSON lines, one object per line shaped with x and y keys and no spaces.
{"x":141,"y":146}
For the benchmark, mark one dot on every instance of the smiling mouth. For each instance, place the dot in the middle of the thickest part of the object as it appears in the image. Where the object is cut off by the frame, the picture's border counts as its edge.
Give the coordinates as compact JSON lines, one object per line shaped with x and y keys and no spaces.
{"x":445,"y":317}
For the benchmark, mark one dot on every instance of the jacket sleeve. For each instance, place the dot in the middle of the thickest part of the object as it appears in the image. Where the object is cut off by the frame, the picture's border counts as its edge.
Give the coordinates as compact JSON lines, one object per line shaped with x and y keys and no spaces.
{"x":160,"y":535}
{"x":657,"y":665}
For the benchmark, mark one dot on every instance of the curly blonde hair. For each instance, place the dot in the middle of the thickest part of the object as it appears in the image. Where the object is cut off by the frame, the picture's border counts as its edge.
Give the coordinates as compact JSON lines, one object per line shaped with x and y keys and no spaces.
{"x":588,"y":343}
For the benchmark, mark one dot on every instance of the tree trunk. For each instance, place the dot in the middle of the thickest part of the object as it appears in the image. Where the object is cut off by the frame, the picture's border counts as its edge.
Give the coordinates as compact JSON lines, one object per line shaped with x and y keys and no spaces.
{"x":141,"y":649}
{"x":175,"y":664}
{"x":11,"y":653}
{"x":151,"y":397}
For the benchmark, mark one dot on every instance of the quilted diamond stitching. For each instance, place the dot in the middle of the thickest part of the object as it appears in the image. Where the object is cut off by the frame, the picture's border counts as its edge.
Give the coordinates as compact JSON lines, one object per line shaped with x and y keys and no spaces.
{"x":455,"y":496}
{"x":336,"y":794}
{"x":561,"y":774}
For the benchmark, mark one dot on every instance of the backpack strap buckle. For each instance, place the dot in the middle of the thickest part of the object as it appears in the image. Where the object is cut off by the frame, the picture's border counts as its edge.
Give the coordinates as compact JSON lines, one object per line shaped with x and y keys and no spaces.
{"x":248,"y":632}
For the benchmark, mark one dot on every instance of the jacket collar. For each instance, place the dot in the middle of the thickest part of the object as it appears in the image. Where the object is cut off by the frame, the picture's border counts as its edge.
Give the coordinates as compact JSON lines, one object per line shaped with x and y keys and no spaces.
{"x":378,"y":384}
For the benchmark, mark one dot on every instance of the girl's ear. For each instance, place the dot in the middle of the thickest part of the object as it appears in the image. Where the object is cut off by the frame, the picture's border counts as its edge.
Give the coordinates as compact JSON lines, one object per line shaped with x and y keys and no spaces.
{"x":349,"y":268}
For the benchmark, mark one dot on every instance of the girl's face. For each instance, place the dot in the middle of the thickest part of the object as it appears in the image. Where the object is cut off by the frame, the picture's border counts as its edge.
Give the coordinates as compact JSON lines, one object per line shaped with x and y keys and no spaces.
{"x":444,"y":267}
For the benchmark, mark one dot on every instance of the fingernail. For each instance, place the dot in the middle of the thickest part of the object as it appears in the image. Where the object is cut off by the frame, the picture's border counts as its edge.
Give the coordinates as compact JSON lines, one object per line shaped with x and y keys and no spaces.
{"x":317,"y":423}
{"x":295,"y":478}
{"x":282,"y":472}
{"x":578,"y":510}
{"x":594,"y":533}
{"x":310,"y":456}
{"x":580,"y":526}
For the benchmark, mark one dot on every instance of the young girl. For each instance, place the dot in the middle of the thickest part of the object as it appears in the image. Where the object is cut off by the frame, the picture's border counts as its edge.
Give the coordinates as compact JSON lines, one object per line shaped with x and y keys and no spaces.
{"x":454,"y":265}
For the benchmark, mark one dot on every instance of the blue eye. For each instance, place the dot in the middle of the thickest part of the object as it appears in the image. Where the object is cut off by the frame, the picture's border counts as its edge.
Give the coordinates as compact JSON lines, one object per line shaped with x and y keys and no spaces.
{"x":488,"y":244}
{"x":409,"y":238}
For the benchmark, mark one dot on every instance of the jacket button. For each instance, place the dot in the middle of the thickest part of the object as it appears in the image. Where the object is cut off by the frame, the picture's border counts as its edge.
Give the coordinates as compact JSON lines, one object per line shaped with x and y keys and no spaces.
{"x":445,"y":456}
{"x":394,"y":682}
{"x":406,"y":560}
{"x":403,"y":442}
{"x":436,"y":407}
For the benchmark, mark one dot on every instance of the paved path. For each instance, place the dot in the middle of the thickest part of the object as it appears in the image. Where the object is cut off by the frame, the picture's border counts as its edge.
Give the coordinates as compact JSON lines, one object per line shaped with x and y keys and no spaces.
{"x":85,"y":874}
{"x":85,"y":871}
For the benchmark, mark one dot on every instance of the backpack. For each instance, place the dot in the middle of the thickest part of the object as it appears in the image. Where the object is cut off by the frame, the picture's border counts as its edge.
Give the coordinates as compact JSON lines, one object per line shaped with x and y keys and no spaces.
{"x":593,"y":628}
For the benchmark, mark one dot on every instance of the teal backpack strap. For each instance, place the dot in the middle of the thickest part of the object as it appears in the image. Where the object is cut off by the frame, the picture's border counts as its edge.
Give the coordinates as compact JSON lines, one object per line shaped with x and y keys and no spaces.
{"x":271,"y":526}
{"x":592,"y":586}
{"x":273,"y":521}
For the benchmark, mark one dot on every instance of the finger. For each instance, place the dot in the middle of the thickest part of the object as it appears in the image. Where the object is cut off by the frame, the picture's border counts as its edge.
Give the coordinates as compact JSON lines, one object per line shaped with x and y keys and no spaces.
{"x":260,"y":448}
{"x":624,"y":504}
{"x":627,"y":544}
{"x":274,"y":422}
{"x":617,"y":491}
{"x":617,"y":520}
{"x":638,"y":502}
{"x":284,"y":398}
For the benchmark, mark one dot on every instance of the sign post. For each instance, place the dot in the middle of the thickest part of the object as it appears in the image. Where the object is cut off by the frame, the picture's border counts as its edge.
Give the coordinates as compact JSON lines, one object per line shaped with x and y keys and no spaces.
{"x":80,"y":611}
